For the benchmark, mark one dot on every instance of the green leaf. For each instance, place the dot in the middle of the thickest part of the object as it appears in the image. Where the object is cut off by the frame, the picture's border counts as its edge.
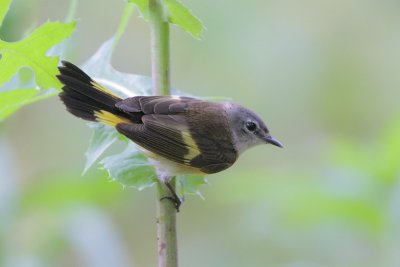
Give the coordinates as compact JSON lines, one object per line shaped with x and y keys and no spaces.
{"x":380,"y":159}
{"x":24,"y":63}
{"x":11,"y":101}
{"x":178,"y":15}
{"x":143,"y":6}
{"x":31,"y":52}
{"x":63,"y":190}
{"x":4,"y":6}
{"x":387,"y":159}
{"x":181,"y":16}
{"x":130,"y":168}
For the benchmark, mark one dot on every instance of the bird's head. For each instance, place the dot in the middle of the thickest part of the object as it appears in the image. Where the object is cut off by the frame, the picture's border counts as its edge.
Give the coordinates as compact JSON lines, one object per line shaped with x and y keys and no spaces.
{"x":248,"y":128}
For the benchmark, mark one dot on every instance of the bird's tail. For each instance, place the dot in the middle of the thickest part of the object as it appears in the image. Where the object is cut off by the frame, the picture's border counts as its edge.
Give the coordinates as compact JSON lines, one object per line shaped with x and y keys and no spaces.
{"x":87,"y":99}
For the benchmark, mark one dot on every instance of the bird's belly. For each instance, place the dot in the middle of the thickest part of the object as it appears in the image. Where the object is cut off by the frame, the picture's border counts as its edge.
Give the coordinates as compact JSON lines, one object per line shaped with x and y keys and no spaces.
{"x":167,"y":169}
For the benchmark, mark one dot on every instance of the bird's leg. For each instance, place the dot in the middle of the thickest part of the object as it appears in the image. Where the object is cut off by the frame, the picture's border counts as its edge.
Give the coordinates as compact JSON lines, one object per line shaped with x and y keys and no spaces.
{"x":175,"y":199}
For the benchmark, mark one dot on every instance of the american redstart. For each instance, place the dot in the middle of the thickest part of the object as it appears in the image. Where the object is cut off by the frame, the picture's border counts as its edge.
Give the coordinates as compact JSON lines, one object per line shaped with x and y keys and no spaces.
{"x":180,"y":135}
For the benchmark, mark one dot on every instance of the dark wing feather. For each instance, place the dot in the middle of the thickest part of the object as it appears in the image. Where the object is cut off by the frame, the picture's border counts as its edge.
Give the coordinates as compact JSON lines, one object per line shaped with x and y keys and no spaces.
{"x":215,"y":157}
{"x":213,"y":137}
{"x":155,"y":104}
{"x":162,"y":135}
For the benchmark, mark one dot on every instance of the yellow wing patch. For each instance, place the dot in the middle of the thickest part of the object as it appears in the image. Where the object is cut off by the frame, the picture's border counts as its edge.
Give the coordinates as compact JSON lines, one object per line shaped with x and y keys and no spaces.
{"x":109,"y":118}
{"x":194,"y":150}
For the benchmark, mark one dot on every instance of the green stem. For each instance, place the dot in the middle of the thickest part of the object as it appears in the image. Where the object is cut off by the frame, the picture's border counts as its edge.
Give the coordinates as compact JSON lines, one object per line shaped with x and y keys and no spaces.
{"x":159,"y":48}
{"x":71,"y":11}
{"x":166,"y":229}
{"x":166,"y":212}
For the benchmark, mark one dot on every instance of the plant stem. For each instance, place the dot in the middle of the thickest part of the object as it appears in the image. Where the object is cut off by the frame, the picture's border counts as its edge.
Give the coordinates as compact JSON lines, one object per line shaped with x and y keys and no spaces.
{"x":166,"y":229}
{"x":166,"y":212}
{"x":159,"y":48}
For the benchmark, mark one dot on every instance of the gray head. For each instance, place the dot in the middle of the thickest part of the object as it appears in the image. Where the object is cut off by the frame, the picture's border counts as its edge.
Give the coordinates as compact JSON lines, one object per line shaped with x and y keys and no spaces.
{"x":248,"y":129}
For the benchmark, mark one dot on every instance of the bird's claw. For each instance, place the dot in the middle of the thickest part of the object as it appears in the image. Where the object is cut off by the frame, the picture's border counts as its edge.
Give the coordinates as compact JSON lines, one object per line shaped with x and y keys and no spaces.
{"x":176,"y":201}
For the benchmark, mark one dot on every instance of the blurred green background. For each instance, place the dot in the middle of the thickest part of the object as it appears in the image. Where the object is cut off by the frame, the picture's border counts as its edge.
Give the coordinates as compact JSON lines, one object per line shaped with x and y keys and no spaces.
{"x":325,"y":77}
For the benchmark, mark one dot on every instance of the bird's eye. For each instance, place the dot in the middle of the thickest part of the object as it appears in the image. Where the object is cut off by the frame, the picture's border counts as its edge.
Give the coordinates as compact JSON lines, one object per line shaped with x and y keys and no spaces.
{"x":251,"y":126}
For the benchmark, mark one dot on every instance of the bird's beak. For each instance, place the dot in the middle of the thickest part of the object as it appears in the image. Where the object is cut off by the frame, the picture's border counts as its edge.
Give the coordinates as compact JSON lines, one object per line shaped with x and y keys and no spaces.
{"x":270,"y":140}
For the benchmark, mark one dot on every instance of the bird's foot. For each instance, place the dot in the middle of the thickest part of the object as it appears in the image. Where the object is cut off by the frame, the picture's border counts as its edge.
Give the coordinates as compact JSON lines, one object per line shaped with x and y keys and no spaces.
{"x":175,"y":200}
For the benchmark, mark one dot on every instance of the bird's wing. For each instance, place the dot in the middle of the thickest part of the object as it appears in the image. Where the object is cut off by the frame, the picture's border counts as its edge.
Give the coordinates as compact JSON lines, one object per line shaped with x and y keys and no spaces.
{"x":155,"y":104}
{"x":171,"y":137}
{"x":165,"y":135}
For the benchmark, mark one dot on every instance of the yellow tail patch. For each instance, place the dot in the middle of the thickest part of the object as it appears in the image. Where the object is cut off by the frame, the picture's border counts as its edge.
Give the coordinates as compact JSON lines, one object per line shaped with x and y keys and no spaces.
{"x":103,"y":89}
{"x":109,"y":118}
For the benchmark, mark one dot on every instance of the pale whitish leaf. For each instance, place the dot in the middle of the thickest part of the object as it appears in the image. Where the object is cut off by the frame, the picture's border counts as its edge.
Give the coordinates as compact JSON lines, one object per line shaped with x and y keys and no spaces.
{"x":190,"y":184}
{"x":178,"y":15}
{"x":130,"y":168}
{"x":102,"y":138}
{"x":123,"y":84}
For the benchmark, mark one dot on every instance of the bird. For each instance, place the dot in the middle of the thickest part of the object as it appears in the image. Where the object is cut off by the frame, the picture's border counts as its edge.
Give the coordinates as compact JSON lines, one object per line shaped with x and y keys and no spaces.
{"x":180,"y":135}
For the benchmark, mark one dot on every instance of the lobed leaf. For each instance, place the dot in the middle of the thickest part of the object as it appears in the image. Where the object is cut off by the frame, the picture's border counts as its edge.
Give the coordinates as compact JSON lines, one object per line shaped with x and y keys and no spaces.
{"x":181,"y":16}
{"x":102,"y":138}
{"x":123,"y":84}
{"x":191,"y":184}
{"x":4,"y":7}
{"x":11,"y":101}
{"x":130,"y":168}
{"x":143,"y":6}
{"x":31,"y":52}
{"x":18,"y":86}
{"x":178,"y":15}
